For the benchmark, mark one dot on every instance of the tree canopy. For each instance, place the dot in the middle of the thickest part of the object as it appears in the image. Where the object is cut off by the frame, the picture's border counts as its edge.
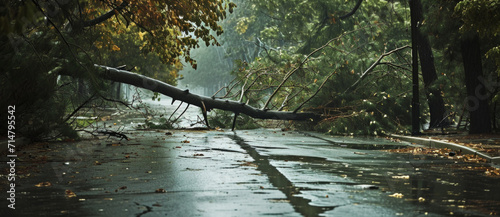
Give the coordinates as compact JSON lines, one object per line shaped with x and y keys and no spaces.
{"x":42,"y":40}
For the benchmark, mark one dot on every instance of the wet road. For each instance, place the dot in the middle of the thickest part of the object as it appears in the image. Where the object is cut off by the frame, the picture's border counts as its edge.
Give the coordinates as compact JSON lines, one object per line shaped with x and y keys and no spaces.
{"x":245,"y":173}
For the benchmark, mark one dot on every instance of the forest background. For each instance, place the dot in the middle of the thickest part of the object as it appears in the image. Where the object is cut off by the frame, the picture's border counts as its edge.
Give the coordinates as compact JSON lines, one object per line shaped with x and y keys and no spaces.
{"x":349,"y":61}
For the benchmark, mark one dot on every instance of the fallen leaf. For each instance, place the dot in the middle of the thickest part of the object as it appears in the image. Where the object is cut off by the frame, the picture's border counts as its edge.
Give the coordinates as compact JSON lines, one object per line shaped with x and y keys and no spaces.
{"x":160,"y":190}
{"x":397,"y":195}
{"x":185,"y":141}
{"x":43,"y":184}
{"x":401,"y":177}
{"x":198,"y":155}
{"x":69,"y":193}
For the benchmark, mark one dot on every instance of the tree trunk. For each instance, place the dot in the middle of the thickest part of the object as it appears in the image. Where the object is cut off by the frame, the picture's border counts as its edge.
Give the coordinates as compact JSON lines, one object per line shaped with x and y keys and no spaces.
{"x":205,"y":103}
{"x":477,"y":94}
{"x":433,"y":94}
{"x":415,"y":104}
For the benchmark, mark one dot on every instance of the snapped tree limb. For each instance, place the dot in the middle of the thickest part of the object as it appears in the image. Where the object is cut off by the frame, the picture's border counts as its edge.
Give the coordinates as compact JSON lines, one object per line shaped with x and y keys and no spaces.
{"x":206,"y":103}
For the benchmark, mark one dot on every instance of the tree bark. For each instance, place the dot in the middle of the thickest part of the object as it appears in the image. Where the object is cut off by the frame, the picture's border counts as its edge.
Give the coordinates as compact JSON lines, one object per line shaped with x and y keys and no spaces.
{"x":206,"y":103}
{"x":433,"y":94}
{"x":477,"y":94}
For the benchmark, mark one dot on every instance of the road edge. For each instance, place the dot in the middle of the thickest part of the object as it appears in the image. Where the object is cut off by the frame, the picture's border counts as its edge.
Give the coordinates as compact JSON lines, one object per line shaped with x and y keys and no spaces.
{"x":433,"y":143}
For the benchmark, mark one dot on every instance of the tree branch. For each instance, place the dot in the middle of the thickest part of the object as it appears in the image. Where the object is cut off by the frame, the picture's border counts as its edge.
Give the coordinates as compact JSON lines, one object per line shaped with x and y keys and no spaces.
{"x":356,"y":7}
{"x":317,"y":91}
{"x":207,"y":103}
{"x":373,"y":66}
{"x":105,"y":16}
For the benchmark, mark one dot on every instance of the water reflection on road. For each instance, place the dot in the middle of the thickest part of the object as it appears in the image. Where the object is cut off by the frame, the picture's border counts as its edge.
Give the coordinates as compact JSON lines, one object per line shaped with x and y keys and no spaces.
{"x":365,"y":182}
{"x":249,"y":173}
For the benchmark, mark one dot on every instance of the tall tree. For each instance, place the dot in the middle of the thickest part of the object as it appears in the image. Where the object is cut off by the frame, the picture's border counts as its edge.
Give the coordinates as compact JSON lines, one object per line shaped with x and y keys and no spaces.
{"x":463,"y":30}
{"x":477,"y":93}
{"x":429,"y":75}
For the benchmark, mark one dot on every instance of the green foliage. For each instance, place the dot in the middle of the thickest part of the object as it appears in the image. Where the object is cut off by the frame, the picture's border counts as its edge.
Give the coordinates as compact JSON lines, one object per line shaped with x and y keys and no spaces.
{"x":483,"y":17}
{"x":224,"y":119}
{"x":285,"y":32}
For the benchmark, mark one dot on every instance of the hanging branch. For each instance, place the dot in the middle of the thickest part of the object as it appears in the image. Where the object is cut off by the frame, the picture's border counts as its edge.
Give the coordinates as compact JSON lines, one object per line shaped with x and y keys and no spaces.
{"x":180,"y":104}
{"x":204,"y":112}
{"x":181,"y":114}
{"x":234,"y":120}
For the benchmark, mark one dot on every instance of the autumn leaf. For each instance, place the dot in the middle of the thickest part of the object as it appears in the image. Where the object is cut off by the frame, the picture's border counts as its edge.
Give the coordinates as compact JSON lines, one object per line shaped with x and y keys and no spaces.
{"x":160,"y":190}
{"x":115,"y":48}
{"x":70,"y":194}
{"x":43,"y":184}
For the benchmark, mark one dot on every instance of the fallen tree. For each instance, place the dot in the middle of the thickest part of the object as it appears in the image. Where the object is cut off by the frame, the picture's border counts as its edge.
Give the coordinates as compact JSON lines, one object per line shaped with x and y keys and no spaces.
{"x":205,"y":103}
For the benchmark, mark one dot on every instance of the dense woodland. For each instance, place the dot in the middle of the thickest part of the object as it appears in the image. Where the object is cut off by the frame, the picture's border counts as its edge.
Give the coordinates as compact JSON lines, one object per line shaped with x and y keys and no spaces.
{"x":349,"y":62}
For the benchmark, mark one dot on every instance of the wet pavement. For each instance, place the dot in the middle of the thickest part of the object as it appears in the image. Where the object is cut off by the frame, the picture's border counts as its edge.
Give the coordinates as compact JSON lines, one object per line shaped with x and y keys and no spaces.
{"x":243,"y":173}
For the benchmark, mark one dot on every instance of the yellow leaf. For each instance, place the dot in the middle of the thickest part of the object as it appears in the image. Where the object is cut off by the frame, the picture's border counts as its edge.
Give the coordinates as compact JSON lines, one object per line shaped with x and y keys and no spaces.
{"x":115,"y":48}
{"x":315,"y":80}
{"x":141,"y":35}
{"x":43,"y":184}
{"x":69,"y":193}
